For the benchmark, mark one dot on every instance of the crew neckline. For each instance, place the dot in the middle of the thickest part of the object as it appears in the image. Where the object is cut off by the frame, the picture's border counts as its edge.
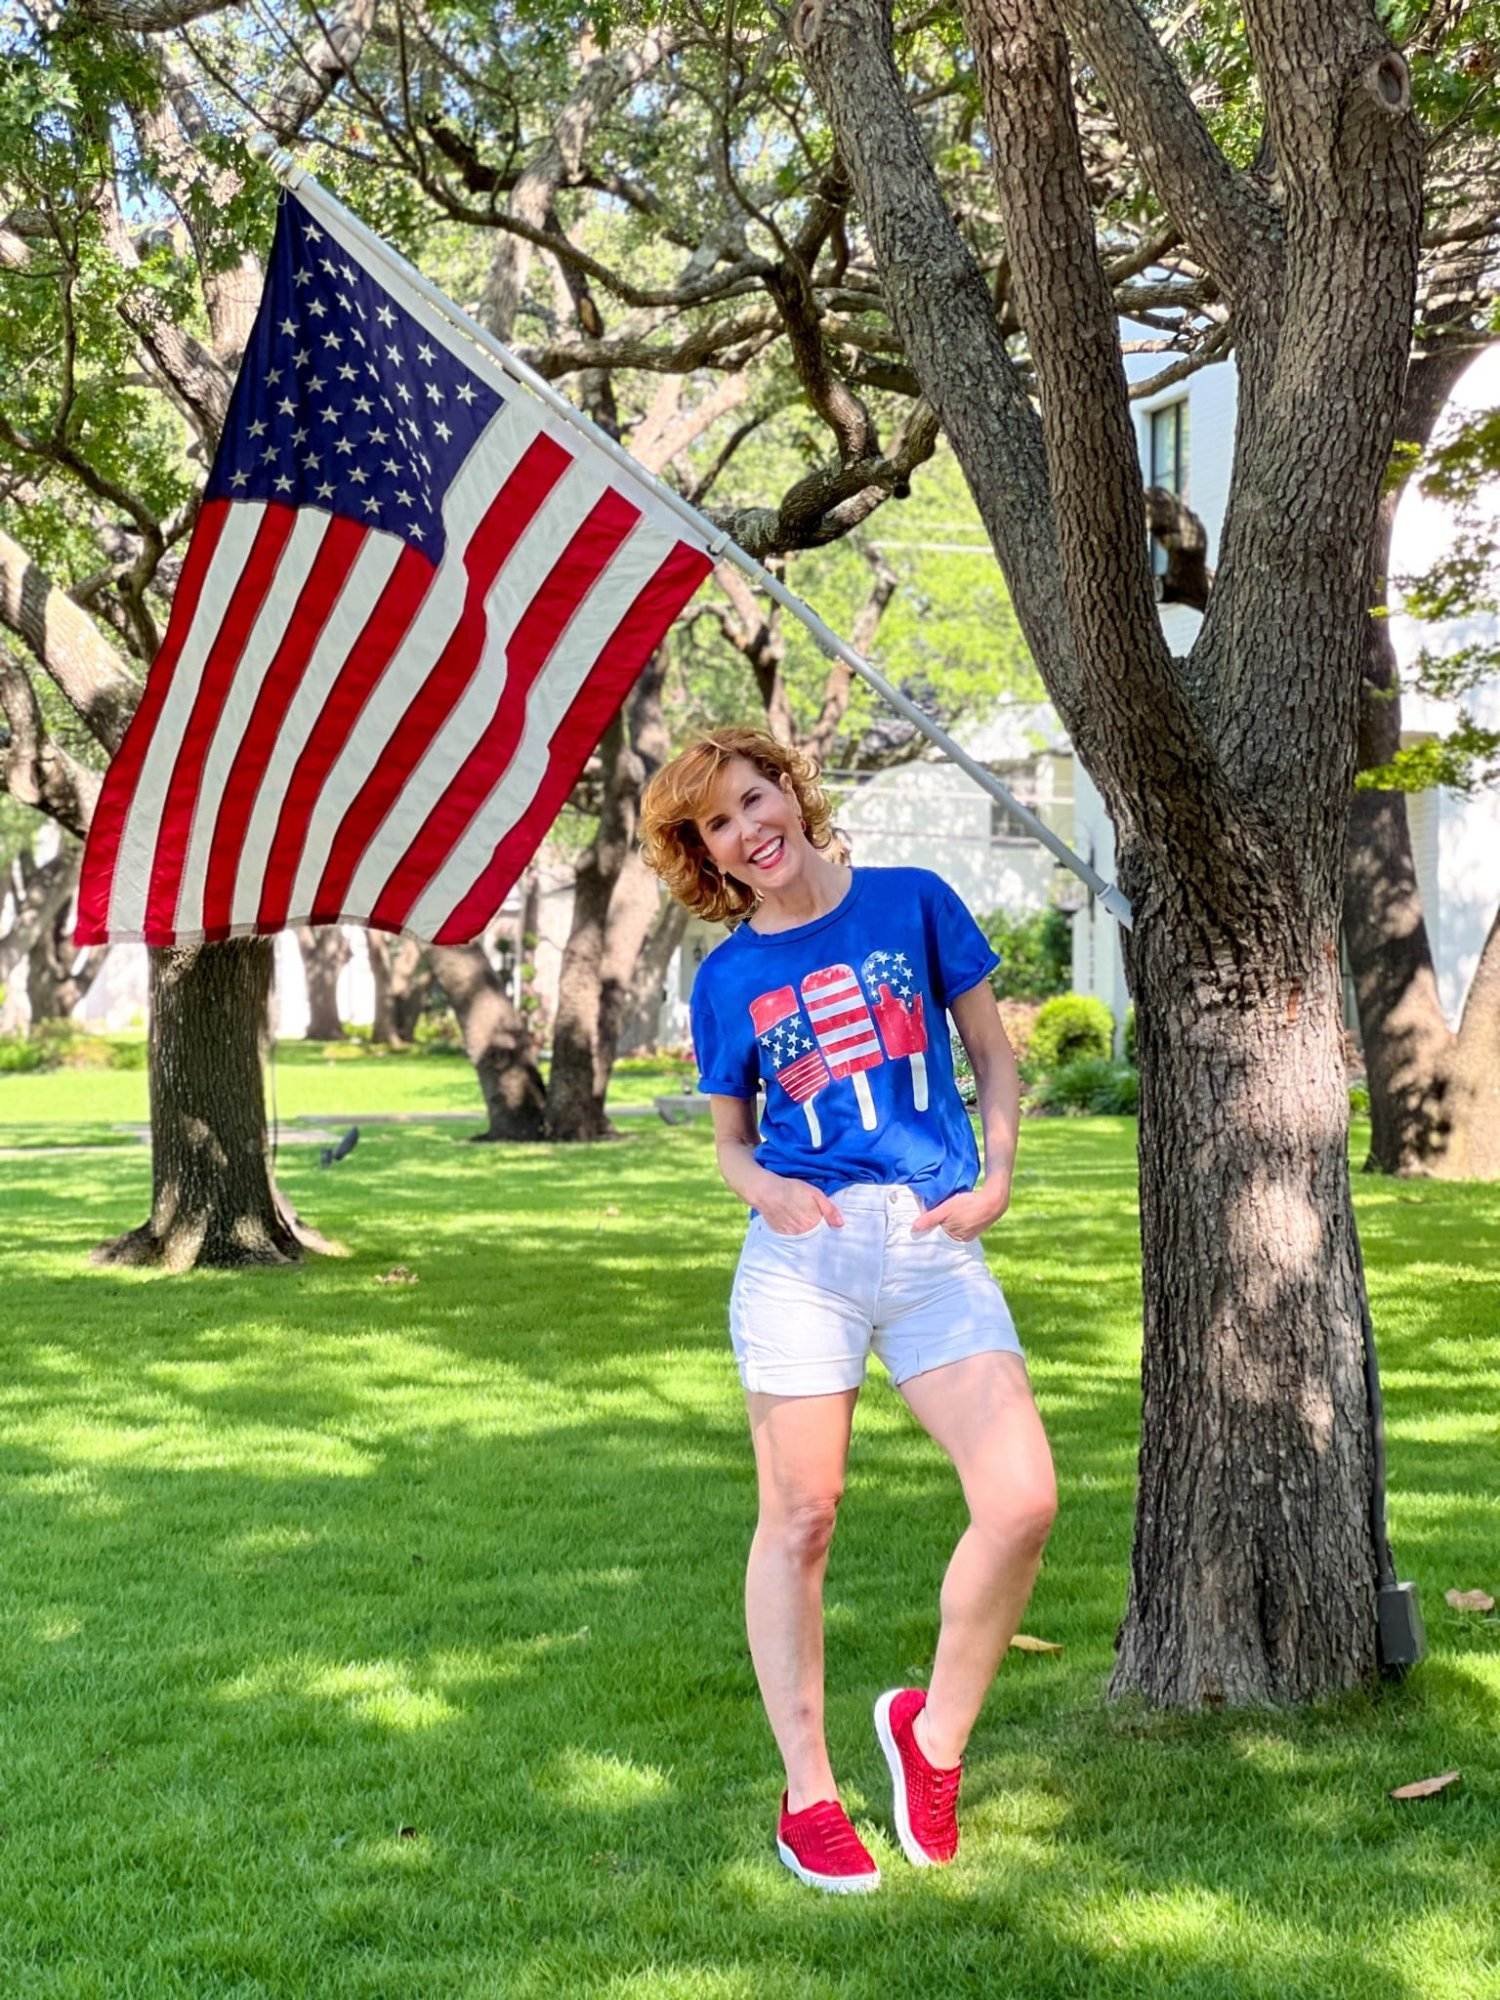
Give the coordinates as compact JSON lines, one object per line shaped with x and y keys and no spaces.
{"x":797,"y":931}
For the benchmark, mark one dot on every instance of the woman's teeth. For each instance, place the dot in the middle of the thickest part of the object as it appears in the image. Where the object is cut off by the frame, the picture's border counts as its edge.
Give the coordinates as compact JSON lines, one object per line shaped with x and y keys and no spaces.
{"x":767,"y":857}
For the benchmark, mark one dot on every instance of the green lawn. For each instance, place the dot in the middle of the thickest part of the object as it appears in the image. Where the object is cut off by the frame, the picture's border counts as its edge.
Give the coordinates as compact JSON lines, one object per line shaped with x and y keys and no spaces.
{"x":333,"y":1080}
{"x":384,"y":1640}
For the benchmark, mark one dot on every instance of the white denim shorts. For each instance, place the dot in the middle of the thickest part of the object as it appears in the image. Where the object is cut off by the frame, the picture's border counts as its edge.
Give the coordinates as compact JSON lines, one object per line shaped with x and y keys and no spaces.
{"x":805,"y":1310}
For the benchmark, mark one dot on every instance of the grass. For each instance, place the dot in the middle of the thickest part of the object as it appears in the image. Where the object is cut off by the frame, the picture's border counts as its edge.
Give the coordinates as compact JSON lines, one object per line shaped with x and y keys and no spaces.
{"x":331,"y":1080}
{"x":384,"y":1640}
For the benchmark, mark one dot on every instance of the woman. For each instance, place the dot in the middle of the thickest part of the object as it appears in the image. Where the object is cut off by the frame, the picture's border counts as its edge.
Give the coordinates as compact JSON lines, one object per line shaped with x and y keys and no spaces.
{"x":866,"y":1218}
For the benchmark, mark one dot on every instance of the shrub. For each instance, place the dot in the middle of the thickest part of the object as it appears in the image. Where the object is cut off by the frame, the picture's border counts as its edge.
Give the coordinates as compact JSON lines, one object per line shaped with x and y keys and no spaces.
{"x":1036,"y":953}
{"x":127,"y":1052}
{"x":1069,"y":1027}
{"x":70,"y":1044}
{"x":1359,"y":1100}
{"x":1130,"y":1055}
{"x":1093,"y":1085}
{"x":18,"y":1053}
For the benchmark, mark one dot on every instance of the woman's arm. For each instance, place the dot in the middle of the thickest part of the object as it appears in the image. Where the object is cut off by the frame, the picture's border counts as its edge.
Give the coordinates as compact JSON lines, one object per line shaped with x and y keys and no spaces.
{"x":789,"y":1206}
{"x":998,"y":1089}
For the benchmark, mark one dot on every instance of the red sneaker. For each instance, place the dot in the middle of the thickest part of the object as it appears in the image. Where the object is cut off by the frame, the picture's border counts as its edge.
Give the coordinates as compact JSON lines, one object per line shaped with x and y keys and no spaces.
{"x":822,"y":1849}
{"x":926,"y":1800}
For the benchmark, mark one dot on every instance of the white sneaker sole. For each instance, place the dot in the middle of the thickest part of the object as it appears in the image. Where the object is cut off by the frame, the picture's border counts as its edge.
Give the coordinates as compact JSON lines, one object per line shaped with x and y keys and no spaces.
{"x":915,"y":1853}
{"x":834,"y":1885}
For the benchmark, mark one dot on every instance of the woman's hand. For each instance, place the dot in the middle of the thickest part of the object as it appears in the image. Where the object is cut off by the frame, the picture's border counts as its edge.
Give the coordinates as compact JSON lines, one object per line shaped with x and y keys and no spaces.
{"x":967,"y":1215}
{"x":792,"y":1208}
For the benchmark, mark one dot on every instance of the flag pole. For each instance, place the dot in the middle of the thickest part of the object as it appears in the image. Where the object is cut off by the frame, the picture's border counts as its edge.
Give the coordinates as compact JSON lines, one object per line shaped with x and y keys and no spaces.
{"x":720,"y":544}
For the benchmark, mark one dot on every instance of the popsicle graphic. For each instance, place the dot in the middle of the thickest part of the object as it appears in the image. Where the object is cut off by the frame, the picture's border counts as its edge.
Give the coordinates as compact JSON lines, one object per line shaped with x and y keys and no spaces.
{"x":796,"y":1061}
{"x":898,"y":1010}
{"x":846,"y":1034}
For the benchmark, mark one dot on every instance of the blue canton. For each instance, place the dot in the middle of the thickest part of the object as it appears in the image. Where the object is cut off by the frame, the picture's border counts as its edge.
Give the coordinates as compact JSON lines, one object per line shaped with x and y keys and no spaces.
{"x":344,"y":401}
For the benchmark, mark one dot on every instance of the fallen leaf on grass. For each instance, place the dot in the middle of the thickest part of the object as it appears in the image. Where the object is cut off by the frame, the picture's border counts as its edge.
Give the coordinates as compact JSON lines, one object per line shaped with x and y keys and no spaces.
{"x":1024,"y":1643}
{"x":1425,"y":1788}
{"x":1470,"y":1600}
{"x":398,"y":1274}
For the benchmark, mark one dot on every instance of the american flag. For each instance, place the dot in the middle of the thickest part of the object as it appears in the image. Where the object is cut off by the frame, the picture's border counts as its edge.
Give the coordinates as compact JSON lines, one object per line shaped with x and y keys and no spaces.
{"x":413,"y":599}
{"x":782,"y":1032}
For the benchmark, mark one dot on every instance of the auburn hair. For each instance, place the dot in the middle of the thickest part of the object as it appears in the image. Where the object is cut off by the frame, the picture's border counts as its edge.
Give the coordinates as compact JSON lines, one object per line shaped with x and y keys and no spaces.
{"x":677,"y":795}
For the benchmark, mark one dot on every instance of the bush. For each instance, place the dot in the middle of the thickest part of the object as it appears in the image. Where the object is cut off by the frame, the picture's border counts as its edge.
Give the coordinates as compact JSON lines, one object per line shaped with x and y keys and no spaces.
{"x":1036,"y":953}
{"x":1070,"y":1027}
{"x":1359,"y":1099}
{"x":1130,"y":1054}
{"x":19,"y":1053}
{"x":69,"y":1045}
{"x":1092,"y":1085}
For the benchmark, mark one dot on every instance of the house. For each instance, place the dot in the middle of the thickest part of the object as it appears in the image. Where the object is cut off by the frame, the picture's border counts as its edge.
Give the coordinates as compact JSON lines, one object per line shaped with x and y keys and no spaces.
{"x":1186,"y":440}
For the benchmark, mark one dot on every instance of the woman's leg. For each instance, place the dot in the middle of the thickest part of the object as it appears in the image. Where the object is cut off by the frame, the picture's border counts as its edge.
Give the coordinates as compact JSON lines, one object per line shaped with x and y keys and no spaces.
{"x":801,"y":1447}
{"x":981,"y":1412}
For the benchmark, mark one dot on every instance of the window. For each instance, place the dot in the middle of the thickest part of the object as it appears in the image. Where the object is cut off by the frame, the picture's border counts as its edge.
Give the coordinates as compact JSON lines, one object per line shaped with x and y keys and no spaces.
{"x":1168,"y":455}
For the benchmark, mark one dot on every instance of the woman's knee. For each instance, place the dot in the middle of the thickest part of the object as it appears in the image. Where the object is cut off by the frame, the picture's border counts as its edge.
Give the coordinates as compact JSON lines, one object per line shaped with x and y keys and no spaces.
{"x":1019,"y":1513}
{"x":802,"y":1526}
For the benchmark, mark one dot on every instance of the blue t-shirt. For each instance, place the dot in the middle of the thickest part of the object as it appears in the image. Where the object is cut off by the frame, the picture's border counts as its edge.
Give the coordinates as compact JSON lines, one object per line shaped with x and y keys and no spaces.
{"x":844,"y":1021}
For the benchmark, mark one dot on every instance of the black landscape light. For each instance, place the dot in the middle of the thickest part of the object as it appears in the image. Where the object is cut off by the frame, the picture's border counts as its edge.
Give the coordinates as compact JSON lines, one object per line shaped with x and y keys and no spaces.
{"x":1400,"y":1640}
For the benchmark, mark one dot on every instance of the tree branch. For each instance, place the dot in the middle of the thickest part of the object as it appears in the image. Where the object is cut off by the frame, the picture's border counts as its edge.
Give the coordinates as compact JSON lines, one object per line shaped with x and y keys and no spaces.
{"x":1214,"y":209}
{"x":37,"y":771}
{"x":69,"y":645}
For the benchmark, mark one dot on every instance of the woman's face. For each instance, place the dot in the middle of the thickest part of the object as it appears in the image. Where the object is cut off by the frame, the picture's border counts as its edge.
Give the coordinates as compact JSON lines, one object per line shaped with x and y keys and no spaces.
{"x":752,"y":828}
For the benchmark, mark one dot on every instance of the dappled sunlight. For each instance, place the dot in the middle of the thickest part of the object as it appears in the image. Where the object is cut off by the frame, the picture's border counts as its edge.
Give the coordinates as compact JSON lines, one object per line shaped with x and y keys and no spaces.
{"x":589,"y":1778}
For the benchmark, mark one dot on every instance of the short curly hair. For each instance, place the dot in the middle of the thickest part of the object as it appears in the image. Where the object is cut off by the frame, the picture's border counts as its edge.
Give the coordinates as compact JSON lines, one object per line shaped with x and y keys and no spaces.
{"x":677,"y":794}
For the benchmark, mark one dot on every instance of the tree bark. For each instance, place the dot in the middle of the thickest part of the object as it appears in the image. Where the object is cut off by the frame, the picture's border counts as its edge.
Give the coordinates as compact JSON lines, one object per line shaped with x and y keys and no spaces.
{"x":213,"y":1199}
{"x":325,"y":952}
{"x":496,"y":1042}
{"x":615,"y":901}
{"x":1227,"y":775}
{"x":1432,"y":1101}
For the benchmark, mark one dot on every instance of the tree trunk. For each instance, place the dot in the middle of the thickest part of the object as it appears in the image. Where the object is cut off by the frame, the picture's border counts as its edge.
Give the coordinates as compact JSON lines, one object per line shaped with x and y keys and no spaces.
{"x":403,"y":978}
{"x":615,"y":900}
{"x":213,"y":1199}
{"x":325,"y":953}
{"x":58,"y":976}
{"x":1431,"y":1102}
{"x":648,"y":984}
{"x":1253,"y":1570}
{"x":496,"y":1042}
{"x":533,"y":1005}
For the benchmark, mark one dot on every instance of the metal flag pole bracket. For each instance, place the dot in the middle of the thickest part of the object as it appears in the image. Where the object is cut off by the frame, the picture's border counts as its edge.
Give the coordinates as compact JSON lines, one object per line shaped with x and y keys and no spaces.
{"x":721,"y":546}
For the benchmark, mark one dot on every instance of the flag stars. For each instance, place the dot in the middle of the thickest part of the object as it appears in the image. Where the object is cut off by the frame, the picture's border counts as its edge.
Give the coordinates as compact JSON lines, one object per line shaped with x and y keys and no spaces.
{"x":258,"y":428}
{"x":426,"y":353}
{"x":289,"y":327}
{"x":317,"y":308}
{"x":311,"y":462}
{"x":345,"y":445}
{"x":302,"y":277}
{"x":238,"y":479}
{"x":413,"y":529}
{"x":372,"y":505}
{"x":270,"y":455}
{"x":442,"y":430}
{"x":287,"y":407}
{"x":385,"y":315}
{"x":282,"y":483}
{"x":273,"y":376}
{"x":403,"y":392}
{"x":325,"y":491}
{"x":299,"y":436}
{"x":332,"y":416}
{"x":302,"y":357}
{"x":346,"y":274}
{"x":329,"y":266}
{"x":358,"y":475}
{"x":313,"y":233}
{"x":465,"y":392}
{"x":363,"y":405}
{"x":332,"y":339}
{"x":314,"y":384}
{"x":346,"y":373}
{"x":394,"y":354}
{"x":434,"y":393}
